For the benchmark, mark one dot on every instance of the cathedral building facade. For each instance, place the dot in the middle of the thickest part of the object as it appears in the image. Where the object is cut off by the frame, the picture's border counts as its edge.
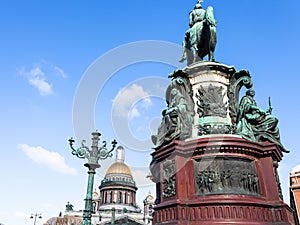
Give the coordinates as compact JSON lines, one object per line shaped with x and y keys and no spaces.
{"x":115,"y":201}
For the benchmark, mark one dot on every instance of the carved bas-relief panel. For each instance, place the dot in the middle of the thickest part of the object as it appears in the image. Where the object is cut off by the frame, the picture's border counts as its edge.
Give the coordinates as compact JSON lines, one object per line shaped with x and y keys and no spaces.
{"x":211,"y":101}
{"x":169,"y":186}
{"x":229,"y":175}
{"x":212,"y":107}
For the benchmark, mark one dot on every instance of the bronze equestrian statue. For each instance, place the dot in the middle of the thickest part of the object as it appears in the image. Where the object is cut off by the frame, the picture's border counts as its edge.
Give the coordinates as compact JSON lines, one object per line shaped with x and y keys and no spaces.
{"x":201,"y":38}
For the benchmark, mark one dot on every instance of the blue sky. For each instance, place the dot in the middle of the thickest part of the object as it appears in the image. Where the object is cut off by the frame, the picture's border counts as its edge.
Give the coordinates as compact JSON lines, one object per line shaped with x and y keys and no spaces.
{"x":49,"y":49}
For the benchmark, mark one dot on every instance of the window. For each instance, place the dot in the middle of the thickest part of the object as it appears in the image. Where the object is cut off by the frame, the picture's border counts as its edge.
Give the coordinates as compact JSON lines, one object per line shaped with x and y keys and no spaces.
{"x":125,"y":197}
{"x":120,"y":197}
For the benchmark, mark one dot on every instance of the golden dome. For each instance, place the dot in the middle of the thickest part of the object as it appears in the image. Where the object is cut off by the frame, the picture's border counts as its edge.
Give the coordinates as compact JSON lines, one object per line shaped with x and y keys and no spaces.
{"x":149,"y":198}
{"x":118,"y":168}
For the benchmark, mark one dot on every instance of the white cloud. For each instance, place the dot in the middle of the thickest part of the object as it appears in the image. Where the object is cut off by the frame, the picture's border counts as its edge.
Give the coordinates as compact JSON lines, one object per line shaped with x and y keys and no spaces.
{"x":39,"y":74}
{"x":140,"y":177}
{"x":36,"y":77}
{"x":52,"y":160}
{"x":125,"y":103}
{"x":134,"y":113}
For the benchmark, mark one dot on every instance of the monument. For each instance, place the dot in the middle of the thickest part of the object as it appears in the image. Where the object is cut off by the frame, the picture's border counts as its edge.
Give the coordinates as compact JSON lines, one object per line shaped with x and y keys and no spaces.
{"x":215,"y":154}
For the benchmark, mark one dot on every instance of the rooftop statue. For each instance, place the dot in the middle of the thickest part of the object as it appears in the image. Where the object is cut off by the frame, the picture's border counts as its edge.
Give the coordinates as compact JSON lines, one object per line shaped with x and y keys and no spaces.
{"x":69,"y":207}
{"x":201,"y":38}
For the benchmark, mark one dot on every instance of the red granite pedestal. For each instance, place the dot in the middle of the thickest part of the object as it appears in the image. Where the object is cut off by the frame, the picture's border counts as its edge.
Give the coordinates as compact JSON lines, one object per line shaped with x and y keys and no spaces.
{"x":219,"y":180}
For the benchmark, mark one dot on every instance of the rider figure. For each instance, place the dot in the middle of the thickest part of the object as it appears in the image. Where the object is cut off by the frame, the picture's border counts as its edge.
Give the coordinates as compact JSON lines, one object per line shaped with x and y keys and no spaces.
{"x":196,"y":15}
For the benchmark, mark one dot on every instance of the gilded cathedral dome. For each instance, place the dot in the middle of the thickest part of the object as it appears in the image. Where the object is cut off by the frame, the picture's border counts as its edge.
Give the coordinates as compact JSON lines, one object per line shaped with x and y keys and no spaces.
{"x":119,"y":168}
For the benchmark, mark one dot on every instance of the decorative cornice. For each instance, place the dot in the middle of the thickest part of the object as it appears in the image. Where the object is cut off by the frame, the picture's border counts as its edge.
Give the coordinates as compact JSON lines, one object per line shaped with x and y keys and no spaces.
{"x":218,"y":145}
{"x":193,"y":69}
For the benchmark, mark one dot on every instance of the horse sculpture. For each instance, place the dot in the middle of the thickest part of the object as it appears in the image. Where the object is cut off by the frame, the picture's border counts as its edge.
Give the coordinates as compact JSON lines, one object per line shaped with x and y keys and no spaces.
{"x":201,"y":39}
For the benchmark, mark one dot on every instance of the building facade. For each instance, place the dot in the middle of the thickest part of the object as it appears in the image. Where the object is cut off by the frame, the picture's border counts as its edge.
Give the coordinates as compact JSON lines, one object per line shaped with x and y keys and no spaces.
{"x":295,"y":192}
